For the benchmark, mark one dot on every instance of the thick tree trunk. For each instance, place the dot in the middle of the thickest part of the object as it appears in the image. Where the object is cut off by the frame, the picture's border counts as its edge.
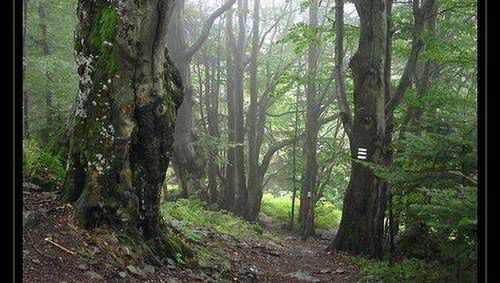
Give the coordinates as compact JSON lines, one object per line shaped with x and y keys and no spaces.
{"x":123,"y":128}
{"x":361,"y":227}
{"x":312,"y":115}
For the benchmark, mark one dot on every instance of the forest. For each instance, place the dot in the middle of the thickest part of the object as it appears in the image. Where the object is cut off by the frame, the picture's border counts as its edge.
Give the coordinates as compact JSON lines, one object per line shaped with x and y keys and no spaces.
{"x":250,"y":141}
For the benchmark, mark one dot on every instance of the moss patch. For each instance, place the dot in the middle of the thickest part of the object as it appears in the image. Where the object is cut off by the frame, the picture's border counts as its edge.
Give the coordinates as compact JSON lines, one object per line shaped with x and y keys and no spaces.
{"x":102,"y":39}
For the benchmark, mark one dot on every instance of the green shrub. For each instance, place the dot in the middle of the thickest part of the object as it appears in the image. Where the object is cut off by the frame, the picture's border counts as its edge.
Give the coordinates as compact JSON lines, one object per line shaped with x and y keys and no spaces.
{"x":406,"y":270}
{"x":40,"y":167}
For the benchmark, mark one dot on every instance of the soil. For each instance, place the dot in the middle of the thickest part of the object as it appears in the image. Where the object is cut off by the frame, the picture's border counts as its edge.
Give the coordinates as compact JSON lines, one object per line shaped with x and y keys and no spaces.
{"x":55,"y":249}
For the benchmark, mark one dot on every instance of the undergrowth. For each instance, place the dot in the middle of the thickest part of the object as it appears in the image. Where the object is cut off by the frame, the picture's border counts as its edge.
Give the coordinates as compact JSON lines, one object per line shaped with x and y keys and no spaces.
{"x":40,"y":167}
{"x":191,"y":219}
{"x":408,"y":270}
{"x":278,"y":209}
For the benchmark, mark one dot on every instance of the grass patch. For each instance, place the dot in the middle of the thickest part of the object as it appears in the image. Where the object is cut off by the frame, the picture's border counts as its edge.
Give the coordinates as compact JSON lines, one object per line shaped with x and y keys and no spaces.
{"x":278,"y":209}
{"x":189,"y":215}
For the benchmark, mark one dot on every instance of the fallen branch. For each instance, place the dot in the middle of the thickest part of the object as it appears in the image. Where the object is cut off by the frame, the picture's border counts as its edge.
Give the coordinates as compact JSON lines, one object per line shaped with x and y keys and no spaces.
{"x":59,"y":246}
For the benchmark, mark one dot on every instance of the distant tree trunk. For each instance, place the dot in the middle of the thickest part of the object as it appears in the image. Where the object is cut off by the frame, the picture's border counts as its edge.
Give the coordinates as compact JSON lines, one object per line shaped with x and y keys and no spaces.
{"x":190,"y":173}
{"x":389,"y":122}
{"x":312,"y":115}
{"x":130,"y":91}
{"x":44,"y":44}
{"x":239,"y":129}
{"x":26,"y":127}
{"x":229,"y":196}
{"x":361,"y":227}
{"x":184,"y":152}
{"x":213,"y":127}
{"x":294,"y":161}
{"x":254,"y":188}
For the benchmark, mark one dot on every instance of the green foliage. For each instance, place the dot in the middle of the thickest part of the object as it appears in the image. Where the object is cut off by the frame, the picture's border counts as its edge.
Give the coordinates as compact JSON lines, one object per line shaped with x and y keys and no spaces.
{"x":189,"y":216}
{"x":55,"y":73}
{"x":407,"y":270}
{"x":40,"y":167}
{"x":278,"y":209}
{"x":327,"y":216}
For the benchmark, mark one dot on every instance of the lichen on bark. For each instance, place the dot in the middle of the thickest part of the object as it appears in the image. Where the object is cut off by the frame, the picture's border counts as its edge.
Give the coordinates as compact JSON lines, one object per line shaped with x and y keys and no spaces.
{"x":122,"y":139}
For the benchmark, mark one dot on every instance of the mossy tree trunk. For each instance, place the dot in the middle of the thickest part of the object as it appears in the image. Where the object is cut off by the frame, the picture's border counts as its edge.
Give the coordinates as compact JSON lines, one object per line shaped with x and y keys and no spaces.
{"x":122,"y":139}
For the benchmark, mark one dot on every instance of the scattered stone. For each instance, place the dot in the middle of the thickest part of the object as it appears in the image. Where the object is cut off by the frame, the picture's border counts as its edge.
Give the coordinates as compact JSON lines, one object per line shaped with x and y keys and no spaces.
{"x":36,"y":261}
{"x":31,"y":187}
{"x":113,"y":240}
{"x":303,"y":276}
{"x":122,"y":274}
{"x":94,"y":275}
{"x":43,"y":210}
{"x":340,"y":271}
{"x":325,"y":270}
{"x":171,"y":264}
{"x":149,"y":269}
{"x":83,"y":266}
{"x":135,"y":270}
{"x":30,"y":220}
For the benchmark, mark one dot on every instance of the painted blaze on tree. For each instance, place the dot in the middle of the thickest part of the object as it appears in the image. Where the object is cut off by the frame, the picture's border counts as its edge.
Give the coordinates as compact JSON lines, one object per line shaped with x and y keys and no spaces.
{"x":126,"y":107}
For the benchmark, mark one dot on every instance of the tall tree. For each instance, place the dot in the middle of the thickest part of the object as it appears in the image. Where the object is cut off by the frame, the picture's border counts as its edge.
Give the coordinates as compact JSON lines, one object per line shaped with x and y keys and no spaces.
{"x":26,"y":128}
{"x":130,"y":91}
{"x":361,"y":227}
{"x":312,"y":115}
{"x":190,"y":173}
{"x":238,"y":50}
{"x":44,"y":44}
{"x":229,"y":192}
{"x":254,"y":192}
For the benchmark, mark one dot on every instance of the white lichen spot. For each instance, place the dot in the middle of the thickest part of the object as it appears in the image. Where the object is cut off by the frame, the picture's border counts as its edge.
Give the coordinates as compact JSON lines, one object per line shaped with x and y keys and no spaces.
{"x":85,"y":83}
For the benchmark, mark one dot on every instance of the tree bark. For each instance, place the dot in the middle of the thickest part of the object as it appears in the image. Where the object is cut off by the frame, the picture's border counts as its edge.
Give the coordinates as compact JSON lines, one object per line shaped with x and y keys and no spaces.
{"x":190,"y":173}
{"x":241,"y":191}
{"x":361,"y":226}
{"x":129,"y":94}
{"x":254,"y":190}
{"x":312,"y":115}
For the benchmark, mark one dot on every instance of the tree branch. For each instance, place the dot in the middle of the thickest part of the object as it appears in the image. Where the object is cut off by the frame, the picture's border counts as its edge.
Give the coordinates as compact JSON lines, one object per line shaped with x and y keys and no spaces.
{"x":206,"y":28}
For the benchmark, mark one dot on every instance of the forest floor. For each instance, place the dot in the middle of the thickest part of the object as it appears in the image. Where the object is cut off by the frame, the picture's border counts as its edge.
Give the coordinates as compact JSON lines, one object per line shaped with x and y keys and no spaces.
{"x":55,"y":249}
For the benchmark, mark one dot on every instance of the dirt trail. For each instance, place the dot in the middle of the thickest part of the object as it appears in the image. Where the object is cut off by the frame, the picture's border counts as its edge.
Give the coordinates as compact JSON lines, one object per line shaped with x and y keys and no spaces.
{"x":56,"y":250}
{"x":294,"y":260}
